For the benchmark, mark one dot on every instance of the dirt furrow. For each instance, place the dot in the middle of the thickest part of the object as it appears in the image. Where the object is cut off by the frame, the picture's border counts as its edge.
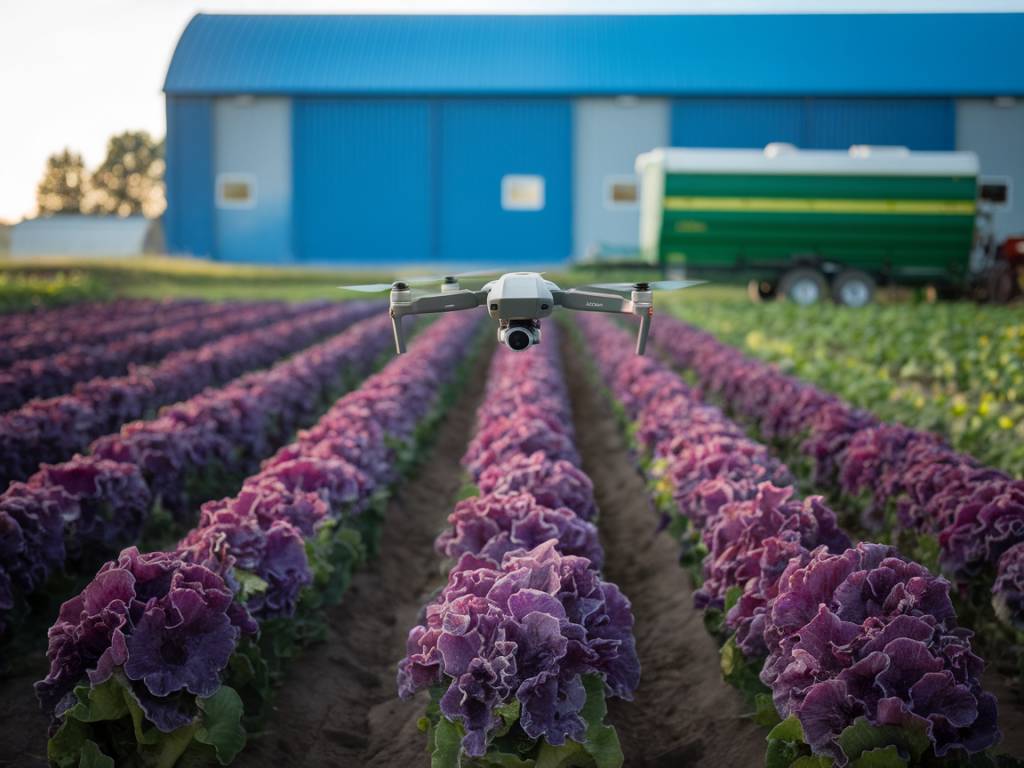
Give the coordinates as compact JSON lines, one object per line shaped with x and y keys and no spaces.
{"x":683,"y":714}
{"x":339,"y":706}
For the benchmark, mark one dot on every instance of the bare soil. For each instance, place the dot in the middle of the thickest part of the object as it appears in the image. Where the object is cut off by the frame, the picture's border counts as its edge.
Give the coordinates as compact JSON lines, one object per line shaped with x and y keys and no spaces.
{"x":683,"y":714}
{"x":339,"y":706}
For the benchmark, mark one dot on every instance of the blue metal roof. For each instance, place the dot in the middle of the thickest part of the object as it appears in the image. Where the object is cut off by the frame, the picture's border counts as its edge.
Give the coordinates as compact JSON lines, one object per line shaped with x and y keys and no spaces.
{"x":743,"y":55}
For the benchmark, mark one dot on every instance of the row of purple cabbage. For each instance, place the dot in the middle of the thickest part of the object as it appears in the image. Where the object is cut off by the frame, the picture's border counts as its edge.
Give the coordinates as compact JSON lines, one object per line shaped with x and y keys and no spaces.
{"x":913,"y":480}
{"x":839,"y":633}
{"x":166,"y":624}
{"x":47,"y":431}
{"x":92,"y":326}
{"x":524,"y":616}
{"x":78,"y":321}
{"x":57,"y":373}
{"x":68,"y":516}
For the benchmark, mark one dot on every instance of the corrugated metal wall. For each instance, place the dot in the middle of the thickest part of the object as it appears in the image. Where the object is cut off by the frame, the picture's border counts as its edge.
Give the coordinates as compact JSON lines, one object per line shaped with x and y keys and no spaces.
{"x":188,"y":220}
{"x":363,"y":180}
{"x":814,"y":123}
{"x":483,"y":140}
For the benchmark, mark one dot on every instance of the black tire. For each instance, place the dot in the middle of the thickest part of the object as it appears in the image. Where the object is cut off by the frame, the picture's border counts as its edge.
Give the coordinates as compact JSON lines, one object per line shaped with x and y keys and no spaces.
{"x":1002,"y":279}
{"x":853,"y":288}
{"x":804,"y":286}
{"x":762,"y":290}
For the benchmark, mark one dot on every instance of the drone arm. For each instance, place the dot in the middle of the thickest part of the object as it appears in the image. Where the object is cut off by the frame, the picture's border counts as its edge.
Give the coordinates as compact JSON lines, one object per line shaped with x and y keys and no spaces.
{"x":640,"y":303}
{"x":441,"y":302}
{"x":584,"y":301}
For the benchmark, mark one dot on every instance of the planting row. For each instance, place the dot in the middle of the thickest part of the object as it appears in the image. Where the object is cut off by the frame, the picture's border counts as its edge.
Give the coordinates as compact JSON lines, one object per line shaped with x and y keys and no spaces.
{"x":51,"y":430}
{"x":69,"y":517}
{"x":857,"y":647}
{"x":91,"y":326}
{"x":56,"y":374}
{"x":77,"y":322}
{"x":525,"y":641}
{"x":167,"y":656}
{"x":942,"y":506}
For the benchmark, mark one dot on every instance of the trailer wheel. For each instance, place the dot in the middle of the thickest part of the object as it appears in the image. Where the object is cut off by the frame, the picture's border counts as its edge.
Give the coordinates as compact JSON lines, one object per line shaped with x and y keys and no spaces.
{"x":853,"y":288}
{"x":762,"y":290}
{"x":803,"y":286}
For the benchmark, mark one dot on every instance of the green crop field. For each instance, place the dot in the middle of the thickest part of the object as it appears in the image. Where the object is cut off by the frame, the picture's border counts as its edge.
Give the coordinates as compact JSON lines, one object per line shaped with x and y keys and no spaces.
{"x":956,"y":368}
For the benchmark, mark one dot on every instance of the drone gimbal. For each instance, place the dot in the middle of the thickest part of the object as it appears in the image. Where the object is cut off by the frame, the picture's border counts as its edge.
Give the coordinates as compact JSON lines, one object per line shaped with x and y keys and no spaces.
{"x":518,"y":301}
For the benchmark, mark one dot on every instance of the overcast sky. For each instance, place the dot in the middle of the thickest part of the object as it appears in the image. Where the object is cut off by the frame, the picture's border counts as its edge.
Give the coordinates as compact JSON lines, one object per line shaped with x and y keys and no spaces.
{"x":72,"y":72}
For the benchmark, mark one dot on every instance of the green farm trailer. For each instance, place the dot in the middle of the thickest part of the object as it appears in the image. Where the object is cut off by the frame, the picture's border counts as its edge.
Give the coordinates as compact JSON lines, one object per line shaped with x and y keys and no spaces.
{"x":807,"y":224}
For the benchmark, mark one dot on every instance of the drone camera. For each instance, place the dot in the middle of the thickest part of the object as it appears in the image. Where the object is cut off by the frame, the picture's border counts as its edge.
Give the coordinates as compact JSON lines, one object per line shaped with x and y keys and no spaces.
{"x":518,"y":335}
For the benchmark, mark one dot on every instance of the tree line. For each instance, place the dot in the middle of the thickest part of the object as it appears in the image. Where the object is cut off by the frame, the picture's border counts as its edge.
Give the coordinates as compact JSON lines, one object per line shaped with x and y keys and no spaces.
{"x":129,"y":181}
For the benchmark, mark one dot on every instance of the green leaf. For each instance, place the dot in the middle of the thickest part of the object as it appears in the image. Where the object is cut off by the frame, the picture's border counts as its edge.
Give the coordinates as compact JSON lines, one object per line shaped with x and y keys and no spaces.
{"x":765,"y":713}
{"x":788,"y":730}
{"x":91,"y":757}
{"x":249,"y":585}
{"x":447,"y":745}
{"x":885,"y":757}
{"x":732,"y":596}
{"x":104,"y":702}
{"x":65,"y":746}
{"x":220,"y":725}
{"x":785,"y":744}
{"x":602,"y":741}
{"x":509,"y":714}
{"x":862,"y":737}
{"x":468,"y":490}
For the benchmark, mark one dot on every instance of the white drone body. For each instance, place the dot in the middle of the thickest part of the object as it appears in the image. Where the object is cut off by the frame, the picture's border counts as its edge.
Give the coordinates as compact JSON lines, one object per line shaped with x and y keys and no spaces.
{"x":518,"y":301}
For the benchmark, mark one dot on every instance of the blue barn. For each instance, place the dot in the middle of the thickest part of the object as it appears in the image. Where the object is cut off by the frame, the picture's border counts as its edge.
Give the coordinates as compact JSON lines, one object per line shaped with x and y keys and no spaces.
{"x":367,"y":140}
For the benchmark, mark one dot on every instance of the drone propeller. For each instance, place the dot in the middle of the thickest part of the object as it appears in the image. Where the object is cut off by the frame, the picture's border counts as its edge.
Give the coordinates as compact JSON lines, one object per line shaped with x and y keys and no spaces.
{"x":657,"y":285}
{"x":418,"y":280}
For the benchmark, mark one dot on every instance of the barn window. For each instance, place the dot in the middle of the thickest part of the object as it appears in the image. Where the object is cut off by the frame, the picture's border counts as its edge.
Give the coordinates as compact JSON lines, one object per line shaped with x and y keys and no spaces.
{"x":236,"y":190}
{"x":621,"y":192}
{"x":522,"y":193}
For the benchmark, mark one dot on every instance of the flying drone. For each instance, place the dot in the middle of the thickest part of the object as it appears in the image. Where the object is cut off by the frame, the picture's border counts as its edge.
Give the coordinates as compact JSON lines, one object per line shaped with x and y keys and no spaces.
{"x":518,"y":301}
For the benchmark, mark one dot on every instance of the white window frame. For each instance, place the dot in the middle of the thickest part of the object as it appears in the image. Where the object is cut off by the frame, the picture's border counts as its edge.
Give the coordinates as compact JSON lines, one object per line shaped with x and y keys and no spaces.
{"x":610,"y":203}
{"x":223,"y":179}
{"x":509,"y":180}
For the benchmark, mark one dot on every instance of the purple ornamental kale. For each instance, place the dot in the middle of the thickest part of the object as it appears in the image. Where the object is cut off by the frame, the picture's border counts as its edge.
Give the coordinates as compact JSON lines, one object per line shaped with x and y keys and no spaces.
{"x":1008,"y":589}
{"x":866,"y":633}
{"x":726,"y":458}
{"x":830,"y":431}
{"x":171,"y":626}
{"x":111,"y":501}
{"x":274,"y":550}
{"x":988,"y":522}
{"x":737,"y":536}
{"x":32,"y":533}
{"x":269,"y":500}
{"x":492,"y":525}
{"x":495,"y":443}
{"x":553,"y":483}
{"x":346,"y":489}
{"x":526,"y":631}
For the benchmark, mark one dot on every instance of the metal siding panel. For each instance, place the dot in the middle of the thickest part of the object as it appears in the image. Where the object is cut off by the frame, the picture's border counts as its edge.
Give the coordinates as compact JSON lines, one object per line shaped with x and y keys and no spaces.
{"x":922,"y":124}
{"x":996,"y":133}
{"x":189,"y":216}
{"x":743,"y":123}
{"x":608,"y":135}
{"x":363,"y":181}
{"x":252,"y":137}
{"x":484,"y":140}
{"x":738,"y":55}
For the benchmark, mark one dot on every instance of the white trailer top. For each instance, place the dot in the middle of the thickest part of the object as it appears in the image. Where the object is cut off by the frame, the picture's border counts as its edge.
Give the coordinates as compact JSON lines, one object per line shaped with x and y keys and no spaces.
{"x":785,"y":159}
